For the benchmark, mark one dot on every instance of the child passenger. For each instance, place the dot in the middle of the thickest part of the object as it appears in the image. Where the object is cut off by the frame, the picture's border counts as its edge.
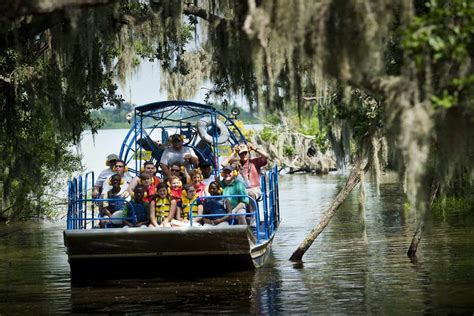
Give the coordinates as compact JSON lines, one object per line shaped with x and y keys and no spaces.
{"x":150,"y":189}
{"x":161,"y":215}
{"x":188,"y":197}
{"x":121,"y":169}
{"x":141,"y":208}
{"x":175,"y":187}
{"x":177,"y":169}
{"x":114,"y":205}
{"x":216,"y":206}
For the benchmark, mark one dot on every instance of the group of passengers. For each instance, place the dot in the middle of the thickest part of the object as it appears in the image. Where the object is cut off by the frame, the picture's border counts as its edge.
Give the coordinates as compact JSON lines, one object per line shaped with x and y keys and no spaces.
{"x":185,"y":182}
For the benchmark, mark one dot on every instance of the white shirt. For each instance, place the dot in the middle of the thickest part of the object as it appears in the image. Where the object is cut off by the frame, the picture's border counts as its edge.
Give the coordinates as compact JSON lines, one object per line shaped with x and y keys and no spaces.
{"x":209,"y":180}
{"x":104,"y":174}
{"x":107,"y":186}
{"x":171,"y":155}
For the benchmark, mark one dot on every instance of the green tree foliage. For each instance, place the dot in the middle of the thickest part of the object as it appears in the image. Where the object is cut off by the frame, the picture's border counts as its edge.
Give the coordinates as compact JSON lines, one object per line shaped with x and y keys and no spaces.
{"x":57,"y":63}
{"x":399,"y":70}
{"x":396,"y":70}
{"x":443,"y":39}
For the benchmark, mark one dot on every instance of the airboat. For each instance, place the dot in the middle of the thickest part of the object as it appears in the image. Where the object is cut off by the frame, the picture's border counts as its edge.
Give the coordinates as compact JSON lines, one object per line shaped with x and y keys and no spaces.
{"x":212,"y":134}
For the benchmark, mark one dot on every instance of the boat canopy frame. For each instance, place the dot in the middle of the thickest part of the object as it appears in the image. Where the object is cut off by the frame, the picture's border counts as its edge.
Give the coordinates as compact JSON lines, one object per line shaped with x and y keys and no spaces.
{"x":159,"y":120}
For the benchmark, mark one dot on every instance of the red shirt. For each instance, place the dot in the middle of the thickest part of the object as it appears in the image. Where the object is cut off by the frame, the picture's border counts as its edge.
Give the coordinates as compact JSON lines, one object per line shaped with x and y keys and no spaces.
{"x":176,"y":193}
{"x":151,"y":191}
{"x":200,"y":189}
{"x":251,"y":171}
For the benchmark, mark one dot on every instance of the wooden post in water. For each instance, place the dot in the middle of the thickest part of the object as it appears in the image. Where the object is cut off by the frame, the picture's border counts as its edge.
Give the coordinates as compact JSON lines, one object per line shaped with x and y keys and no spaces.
{"x":419,"y":229}
{"x":360,"y":167}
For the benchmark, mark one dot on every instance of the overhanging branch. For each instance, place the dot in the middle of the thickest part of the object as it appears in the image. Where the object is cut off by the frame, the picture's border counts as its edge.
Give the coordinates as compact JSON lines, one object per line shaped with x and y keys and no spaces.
{"x":191,"y":9}
{"x":16,"y":9}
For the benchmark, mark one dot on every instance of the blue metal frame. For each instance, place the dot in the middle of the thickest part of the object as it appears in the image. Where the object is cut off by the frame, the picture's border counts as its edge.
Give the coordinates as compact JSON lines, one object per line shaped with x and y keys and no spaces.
{"x":255,"y":213}
{"x":78,"y":212}
{"x":78,"y":202}
{"x":160,"y":112}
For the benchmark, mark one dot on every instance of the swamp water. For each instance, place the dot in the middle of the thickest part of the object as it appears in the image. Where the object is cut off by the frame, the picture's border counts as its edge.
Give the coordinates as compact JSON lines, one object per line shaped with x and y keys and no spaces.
{"x":351,"y":267}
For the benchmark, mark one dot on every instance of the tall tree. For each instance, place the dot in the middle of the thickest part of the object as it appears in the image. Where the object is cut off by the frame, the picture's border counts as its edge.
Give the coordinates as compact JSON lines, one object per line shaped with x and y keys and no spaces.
{"x":416,"y":57}
{"x":58,"y":61}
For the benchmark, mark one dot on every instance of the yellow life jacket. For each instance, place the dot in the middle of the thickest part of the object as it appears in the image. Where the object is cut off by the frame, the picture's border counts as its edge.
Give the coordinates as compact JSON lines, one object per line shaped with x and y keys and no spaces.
{"x":186,"y":205}
{"x":162,"y":208}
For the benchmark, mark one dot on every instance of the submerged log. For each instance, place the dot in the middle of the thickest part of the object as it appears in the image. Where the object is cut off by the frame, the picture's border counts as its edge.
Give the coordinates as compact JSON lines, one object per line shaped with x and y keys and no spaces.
{"x":419,"y":229}
{"x":361,"y":166}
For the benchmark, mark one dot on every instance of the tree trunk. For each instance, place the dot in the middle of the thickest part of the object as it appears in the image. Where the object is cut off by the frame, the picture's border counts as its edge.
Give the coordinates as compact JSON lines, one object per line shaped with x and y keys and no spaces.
{"x":361,"y":166}
{"x":419,"y":229}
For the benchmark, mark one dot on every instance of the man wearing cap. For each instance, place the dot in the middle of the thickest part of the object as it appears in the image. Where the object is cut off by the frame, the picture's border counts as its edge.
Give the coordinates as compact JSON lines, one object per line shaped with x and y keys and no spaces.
{"x":250,"y":167}
{"x":106,"y":173}
{"x":177,"y":152}
{"x":233,"y":186}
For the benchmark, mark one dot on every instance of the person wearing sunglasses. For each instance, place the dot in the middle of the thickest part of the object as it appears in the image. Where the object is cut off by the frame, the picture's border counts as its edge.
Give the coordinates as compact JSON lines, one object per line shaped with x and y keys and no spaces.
{"x":179,"y":153}
{"x":177,"y":169}
{"x":126,"y":177}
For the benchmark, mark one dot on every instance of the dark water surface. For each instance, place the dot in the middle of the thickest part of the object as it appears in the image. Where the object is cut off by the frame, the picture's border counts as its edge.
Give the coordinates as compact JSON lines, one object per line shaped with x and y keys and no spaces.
{"x":351,"y":268}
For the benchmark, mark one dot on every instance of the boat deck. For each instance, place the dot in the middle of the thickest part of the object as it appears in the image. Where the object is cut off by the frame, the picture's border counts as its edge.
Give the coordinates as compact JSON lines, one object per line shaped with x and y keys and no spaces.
{"x":163,"y":250}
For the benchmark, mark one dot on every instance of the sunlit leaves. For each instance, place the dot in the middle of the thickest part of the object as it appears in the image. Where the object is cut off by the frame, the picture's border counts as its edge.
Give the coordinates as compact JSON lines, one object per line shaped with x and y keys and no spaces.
{"x":443,"y":40}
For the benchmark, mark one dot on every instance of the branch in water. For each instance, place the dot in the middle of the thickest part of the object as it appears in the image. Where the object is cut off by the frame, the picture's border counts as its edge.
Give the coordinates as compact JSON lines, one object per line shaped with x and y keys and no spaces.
{"x":361,"y":166}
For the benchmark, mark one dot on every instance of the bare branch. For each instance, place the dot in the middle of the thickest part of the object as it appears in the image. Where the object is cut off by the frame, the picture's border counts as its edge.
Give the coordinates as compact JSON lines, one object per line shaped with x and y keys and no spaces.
{"x":191,"y":9}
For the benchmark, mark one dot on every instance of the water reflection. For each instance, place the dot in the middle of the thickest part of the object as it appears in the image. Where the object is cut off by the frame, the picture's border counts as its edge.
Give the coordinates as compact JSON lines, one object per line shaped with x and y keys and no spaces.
{"x":34,"y":271}
{"x":266,"y":289}
{"x":342,"y":273}
{"x":164,"y":295}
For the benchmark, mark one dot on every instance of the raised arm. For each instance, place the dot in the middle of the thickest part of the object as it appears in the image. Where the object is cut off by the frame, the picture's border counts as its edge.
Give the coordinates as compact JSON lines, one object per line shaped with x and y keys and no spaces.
{"x":166,"y":170}
{"x":132,"y":185}
{"x":258,"y":150}
{"x":192,"y":157}
{"x":232,"y":157}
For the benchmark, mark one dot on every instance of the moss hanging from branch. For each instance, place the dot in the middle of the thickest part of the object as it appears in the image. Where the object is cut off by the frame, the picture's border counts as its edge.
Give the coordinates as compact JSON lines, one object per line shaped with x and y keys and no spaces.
{"x":57,"y":65}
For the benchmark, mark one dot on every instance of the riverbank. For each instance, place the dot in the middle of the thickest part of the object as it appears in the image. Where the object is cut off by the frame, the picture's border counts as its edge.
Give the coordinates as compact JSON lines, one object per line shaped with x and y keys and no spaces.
{"x":294,"y":151}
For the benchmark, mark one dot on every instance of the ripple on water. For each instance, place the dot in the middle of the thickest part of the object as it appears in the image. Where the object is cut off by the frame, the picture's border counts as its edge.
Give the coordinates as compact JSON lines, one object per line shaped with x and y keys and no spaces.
{"x":357,"y":265}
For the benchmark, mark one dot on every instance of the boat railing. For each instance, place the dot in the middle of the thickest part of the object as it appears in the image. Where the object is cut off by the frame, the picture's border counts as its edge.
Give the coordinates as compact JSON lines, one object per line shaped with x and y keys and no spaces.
{"x":78,"y":191}
{"x":270,"y":206}
{"x":255,"y":213}
{"x":82,"y":207}
{"x":80,"y":221}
